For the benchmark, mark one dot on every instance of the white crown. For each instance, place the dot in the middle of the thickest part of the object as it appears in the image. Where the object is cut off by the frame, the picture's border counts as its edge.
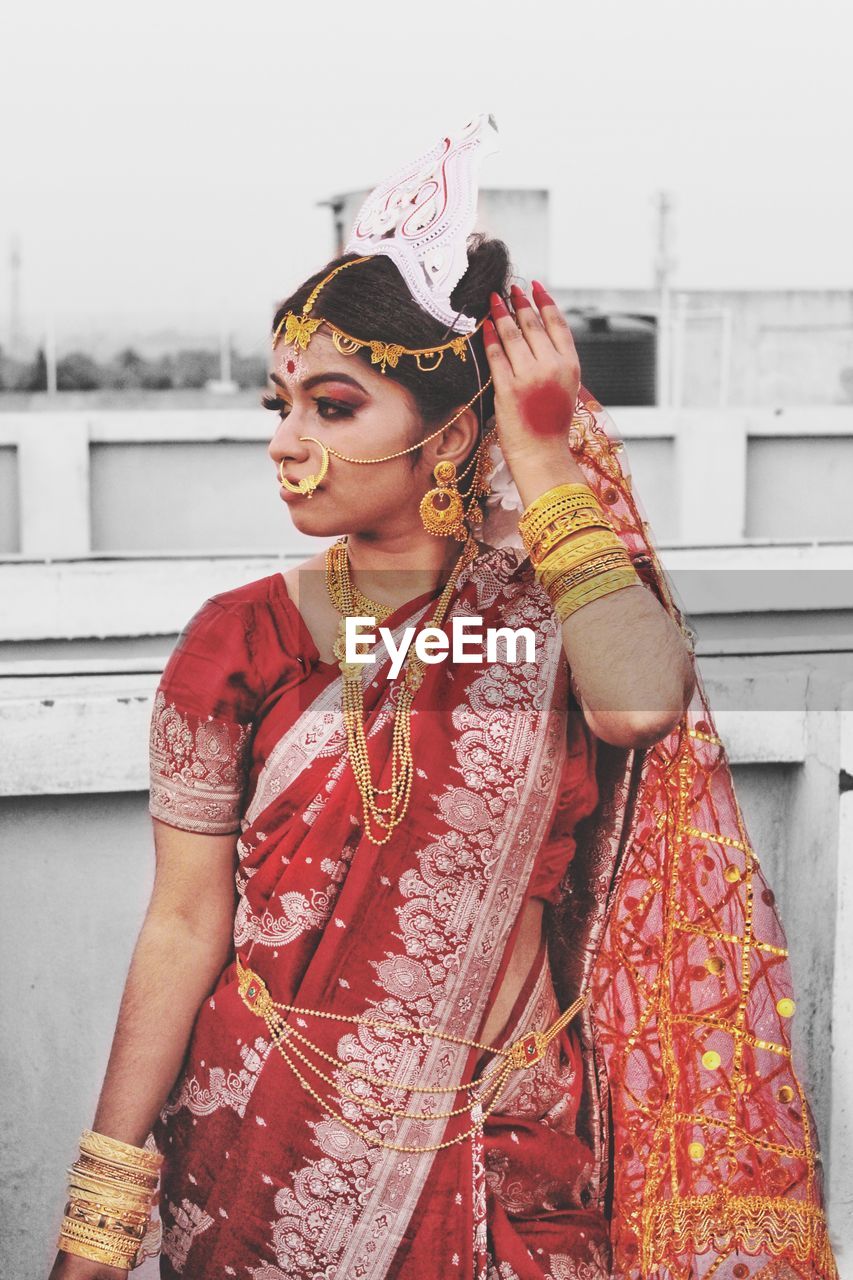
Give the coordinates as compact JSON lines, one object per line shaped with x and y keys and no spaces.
{"x":422,"y":218}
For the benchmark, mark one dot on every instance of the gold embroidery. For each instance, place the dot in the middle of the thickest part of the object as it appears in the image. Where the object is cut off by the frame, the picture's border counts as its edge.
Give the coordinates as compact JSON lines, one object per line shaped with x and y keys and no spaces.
{"x":758,"y":1223}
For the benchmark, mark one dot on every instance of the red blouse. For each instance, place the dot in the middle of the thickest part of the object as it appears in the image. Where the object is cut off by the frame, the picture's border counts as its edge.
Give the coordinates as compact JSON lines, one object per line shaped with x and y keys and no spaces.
{"x":247,"y":652}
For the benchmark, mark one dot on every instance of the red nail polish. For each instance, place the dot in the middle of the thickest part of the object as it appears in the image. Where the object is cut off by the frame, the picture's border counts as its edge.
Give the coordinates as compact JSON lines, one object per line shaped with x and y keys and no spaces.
{"x":519,"y":297}
{"x":539,"y":291}
{"x":498,"y":305}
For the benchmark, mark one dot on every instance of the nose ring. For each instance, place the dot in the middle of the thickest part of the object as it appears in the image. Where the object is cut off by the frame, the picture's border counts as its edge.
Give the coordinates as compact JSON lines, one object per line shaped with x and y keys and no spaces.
{"x":306,"y":486}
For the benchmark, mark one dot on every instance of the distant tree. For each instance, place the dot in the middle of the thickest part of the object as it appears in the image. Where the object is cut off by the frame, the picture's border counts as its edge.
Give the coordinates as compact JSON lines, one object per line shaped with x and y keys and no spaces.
{"x":193,"y":368}
{"x":78,"y":372}
{"x":37,"y":379}
{"x":249,"y":371}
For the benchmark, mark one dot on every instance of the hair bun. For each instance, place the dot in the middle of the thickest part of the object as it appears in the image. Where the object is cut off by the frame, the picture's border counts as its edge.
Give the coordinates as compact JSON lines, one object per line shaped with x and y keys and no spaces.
{"x":489,"y":271}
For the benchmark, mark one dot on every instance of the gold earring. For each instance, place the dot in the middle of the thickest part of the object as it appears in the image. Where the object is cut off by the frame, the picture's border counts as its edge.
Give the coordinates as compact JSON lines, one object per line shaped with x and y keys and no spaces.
{"x":442,"y":510}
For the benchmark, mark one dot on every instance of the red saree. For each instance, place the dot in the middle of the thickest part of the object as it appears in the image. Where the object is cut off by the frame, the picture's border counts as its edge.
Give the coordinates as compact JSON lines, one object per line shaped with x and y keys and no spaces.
{"x":590,"y":1166}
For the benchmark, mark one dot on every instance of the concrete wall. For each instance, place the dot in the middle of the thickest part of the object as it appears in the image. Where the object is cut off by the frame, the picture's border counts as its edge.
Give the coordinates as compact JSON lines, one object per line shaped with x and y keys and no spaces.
{"x":137,"y":481}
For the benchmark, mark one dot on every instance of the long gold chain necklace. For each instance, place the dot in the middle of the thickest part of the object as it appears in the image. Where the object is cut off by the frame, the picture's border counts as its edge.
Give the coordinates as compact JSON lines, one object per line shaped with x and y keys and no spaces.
{"x":381,"y":817}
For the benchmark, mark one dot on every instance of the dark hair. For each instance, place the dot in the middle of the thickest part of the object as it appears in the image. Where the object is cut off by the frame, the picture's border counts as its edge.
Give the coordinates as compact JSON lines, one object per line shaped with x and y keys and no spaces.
{"x":372,"y":301}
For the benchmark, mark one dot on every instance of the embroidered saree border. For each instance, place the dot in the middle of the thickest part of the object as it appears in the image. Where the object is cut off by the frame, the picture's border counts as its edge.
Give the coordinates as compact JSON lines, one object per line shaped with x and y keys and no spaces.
{"x":377,"y":1236}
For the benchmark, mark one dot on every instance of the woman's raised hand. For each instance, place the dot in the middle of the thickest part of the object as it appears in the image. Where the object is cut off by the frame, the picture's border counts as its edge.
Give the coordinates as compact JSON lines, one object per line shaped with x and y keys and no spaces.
{"x":536,"y":375}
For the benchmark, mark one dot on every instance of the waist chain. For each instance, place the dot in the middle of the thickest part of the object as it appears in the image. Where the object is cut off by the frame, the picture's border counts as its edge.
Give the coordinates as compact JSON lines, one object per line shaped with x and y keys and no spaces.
{"x":296,"y":1048}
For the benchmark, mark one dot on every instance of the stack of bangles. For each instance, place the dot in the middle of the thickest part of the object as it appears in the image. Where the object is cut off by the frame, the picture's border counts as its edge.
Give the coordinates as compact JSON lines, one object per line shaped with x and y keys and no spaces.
{"x":111,"y":1189}
{"x":575,"y":570}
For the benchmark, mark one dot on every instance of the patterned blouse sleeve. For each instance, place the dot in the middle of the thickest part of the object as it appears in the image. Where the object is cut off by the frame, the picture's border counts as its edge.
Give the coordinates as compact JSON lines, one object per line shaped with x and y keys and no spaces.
{"x":201,"y":725}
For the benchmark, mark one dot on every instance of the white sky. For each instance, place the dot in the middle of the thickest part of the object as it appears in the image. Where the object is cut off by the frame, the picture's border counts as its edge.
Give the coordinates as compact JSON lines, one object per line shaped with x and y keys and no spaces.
{"x":161,"y":162}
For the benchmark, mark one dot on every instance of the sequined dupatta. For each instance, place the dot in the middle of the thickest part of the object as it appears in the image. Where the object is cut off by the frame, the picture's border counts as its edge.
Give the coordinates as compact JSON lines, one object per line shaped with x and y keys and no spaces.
{"x":709,"y":1159}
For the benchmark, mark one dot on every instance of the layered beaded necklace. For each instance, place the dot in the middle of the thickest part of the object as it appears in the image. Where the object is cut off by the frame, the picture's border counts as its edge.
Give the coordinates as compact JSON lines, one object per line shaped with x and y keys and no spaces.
{"x":384,"y":808}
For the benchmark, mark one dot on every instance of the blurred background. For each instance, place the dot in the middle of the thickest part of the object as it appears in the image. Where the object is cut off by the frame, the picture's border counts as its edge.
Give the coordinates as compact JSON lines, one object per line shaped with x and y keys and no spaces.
{"x":676,"y":174}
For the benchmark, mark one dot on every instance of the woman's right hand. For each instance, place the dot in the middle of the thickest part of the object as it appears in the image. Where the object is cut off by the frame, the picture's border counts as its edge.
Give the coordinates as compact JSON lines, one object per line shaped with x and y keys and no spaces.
{"x":69,"y":1267}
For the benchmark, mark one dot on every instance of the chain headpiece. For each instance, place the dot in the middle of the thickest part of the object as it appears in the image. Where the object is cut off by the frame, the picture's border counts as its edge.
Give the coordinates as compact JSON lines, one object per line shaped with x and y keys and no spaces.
{"x":300,"y":329}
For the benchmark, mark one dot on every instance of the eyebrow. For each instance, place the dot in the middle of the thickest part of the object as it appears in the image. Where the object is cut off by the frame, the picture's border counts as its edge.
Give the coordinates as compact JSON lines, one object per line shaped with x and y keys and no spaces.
{"x":317,"y":378}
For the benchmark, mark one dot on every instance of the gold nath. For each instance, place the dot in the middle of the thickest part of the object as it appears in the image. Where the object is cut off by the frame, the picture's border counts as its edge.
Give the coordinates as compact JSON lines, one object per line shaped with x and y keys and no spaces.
{"x":299,"y":330}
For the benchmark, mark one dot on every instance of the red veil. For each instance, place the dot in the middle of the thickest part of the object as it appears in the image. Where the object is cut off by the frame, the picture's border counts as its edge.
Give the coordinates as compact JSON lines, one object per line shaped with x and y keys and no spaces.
{"x":709,"y":1159}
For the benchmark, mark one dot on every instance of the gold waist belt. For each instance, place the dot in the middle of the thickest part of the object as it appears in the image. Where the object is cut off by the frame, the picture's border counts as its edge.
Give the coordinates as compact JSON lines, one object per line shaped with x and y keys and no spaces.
{"x":295,"y":1047}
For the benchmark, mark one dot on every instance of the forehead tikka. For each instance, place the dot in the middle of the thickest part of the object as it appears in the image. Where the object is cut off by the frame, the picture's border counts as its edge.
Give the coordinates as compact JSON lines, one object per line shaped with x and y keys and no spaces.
{"x":300,"y":329}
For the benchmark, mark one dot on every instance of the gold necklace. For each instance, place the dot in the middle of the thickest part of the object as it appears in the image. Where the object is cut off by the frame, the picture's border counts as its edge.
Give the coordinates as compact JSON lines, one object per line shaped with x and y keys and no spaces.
{"x":382,"y":817}
{"x":337,"y":571}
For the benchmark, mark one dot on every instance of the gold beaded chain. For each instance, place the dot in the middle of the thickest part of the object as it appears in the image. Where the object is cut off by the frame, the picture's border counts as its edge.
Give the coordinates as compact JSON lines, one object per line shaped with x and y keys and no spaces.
{"x":524,"y":1052}
{"x":386,"y":817}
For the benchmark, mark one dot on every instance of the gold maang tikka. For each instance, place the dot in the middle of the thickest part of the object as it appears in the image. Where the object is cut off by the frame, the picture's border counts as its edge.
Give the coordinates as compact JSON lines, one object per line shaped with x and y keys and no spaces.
{"x":300,"y":329}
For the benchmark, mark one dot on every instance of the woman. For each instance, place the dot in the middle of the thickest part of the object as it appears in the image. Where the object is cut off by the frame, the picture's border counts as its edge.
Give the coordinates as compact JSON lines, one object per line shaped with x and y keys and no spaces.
{"x":432,"y":868}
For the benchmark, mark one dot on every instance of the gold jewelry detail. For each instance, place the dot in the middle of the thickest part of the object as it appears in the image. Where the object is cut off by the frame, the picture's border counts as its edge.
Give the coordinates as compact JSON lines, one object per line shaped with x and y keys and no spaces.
{"x":577,"y":551}
{"x":563,"y":527}
{"x":109,"y":1169}
{"x":103,"y":1147}
{"x":300,"y":329}
{"x":523,"y":1052}
{"x":363,"y":607}
{"x":578,"y":573}
{"x":111,"y":1189}
{"x":554,"y":502}
{"x":307,"y":484}
{"x":385,"y":816}
{"x":602,"y":584}
{"x":96,"y":1243}
{"x":442,"y":510}
{"x":131,"y":1226}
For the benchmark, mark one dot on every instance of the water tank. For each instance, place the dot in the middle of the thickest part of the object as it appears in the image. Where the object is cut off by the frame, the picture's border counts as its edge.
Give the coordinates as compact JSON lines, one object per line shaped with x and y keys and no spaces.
{"x":618,"y":355}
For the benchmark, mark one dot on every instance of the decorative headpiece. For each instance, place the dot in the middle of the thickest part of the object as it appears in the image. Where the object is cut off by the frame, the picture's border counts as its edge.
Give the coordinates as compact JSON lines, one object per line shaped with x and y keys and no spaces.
{"x":421,"y":219}
{"x":423,"y":216}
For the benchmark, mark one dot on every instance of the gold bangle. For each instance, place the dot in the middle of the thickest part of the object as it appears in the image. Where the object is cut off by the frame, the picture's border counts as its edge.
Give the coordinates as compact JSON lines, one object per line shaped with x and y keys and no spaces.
{"x":108,"y":1170}
{"x":578,"y":551}
{"x":578,"y":580}
{"x":603,"y":584}
{"x":110,"y":1192}
{"x":96,"y":1244}
{"x":131,"y":1222}
{"x":534,"y":528}
{"x":103,"y":1147}
{"x":556,"y":502}
{"x":615,"y":558}
{"x":563,"y":527}
{"x":559,"y":493}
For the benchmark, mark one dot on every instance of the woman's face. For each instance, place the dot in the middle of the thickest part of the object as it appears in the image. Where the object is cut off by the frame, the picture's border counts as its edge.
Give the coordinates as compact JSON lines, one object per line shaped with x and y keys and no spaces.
{"x":364,"y":414}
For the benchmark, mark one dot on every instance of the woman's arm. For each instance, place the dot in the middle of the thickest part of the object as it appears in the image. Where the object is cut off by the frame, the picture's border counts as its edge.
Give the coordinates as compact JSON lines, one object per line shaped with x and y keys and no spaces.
{"x":630,"y":663}
{"x":182,"y":948}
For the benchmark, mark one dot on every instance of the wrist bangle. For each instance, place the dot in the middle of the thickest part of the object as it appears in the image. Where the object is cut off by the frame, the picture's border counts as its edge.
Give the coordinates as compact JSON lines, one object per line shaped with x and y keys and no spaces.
{"x":563,"y":527}
{"x":578,"y":551}
{"x":558,"y":501}
{"x":601,"y":585}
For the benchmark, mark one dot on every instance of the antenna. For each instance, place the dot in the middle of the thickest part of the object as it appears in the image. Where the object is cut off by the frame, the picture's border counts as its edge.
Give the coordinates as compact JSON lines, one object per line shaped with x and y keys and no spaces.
{"x":663,"y":266}
{"x":16,"y":336}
